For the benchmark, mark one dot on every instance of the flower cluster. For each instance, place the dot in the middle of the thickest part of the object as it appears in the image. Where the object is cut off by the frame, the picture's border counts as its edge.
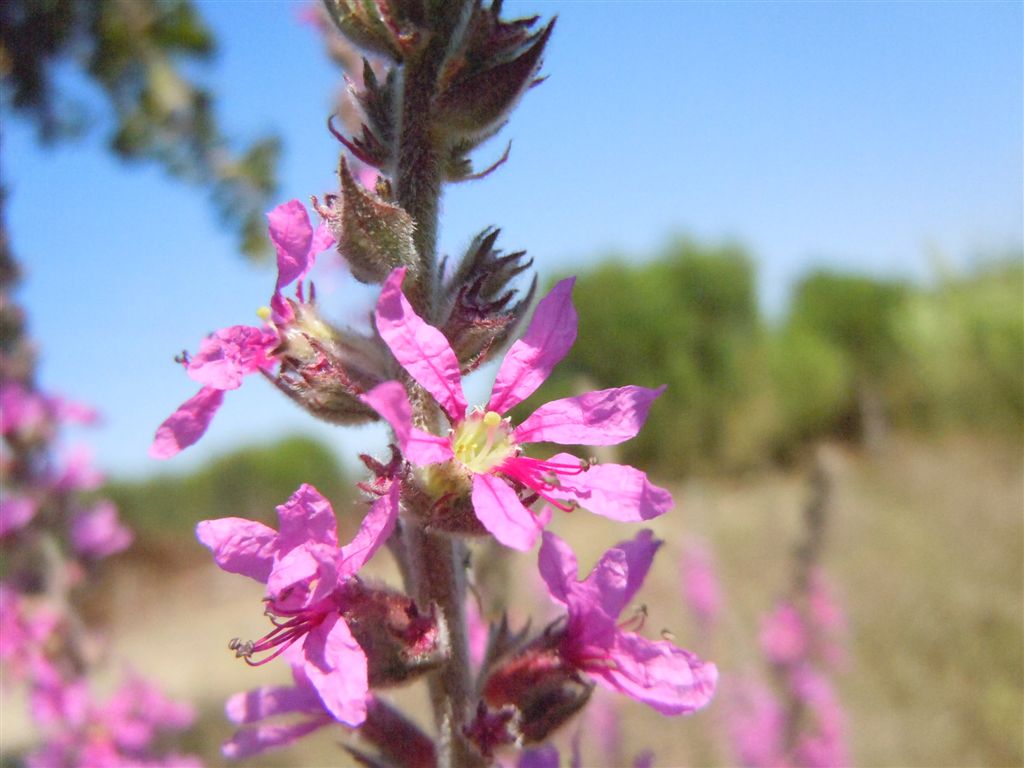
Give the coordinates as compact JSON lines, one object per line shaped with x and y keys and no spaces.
{"x":52,"y":536}
{"x":442,"y":80}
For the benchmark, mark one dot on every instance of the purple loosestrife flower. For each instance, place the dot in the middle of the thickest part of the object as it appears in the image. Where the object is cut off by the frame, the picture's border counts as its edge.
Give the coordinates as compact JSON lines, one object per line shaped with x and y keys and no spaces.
{"x":229,"y":355}
{"x":306,"y":574}
{"x":482,"y":454}
{"x":671,"y":680}
{"x":96,"y":532}
{"x":700,"y":583}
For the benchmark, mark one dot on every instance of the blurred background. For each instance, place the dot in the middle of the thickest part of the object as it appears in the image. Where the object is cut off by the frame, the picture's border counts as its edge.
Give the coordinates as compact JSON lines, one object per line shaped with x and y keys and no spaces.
{"x":805,"y":219}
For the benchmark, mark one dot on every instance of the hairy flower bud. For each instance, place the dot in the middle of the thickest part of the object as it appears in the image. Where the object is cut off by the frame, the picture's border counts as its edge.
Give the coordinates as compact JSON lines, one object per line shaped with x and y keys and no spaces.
{"x":325,"y":369}
{"x":373,"y":235}
{"x":369,"y":24}
{"x":540,"y":686}
{"x":400,"y":643}
{"x":484,"y":81}
{"x":481,"y":312}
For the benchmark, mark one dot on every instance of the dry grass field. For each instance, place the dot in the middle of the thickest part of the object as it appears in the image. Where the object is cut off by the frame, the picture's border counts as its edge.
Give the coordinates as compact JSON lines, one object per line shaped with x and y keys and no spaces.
{"x":924,"y":545}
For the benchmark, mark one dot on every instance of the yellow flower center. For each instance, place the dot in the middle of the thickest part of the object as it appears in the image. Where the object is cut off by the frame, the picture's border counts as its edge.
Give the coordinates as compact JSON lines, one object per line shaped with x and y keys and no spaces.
{"x":483,"y":441}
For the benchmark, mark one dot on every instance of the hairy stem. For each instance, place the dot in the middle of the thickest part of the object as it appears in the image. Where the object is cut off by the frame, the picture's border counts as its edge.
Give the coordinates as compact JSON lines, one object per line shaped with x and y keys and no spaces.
{"x":436,"y":562}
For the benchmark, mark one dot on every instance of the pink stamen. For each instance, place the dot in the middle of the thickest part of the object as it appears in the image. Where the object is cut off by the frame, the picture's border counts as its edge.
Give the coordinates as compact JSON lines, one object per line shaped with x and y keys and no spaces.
{"x":284,"y":633}
{"x":541,"y":477}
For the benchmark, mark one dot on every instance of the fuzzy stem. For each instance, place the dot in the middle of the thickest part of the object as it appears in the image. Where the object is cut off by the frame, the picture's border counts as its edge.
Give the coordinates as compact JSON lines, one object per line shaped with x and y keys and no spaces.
{"x":436,"y":563}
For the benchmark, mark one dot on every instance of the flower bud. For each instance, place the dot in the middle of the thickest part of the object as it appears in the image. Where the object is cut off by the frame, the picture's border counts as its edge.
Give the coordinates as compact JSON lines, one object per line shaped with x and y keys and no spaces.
{"x":399,"y":641}
{"x":544,"y":690}
{"x":481,"y":311}
{"x":374,"y":236}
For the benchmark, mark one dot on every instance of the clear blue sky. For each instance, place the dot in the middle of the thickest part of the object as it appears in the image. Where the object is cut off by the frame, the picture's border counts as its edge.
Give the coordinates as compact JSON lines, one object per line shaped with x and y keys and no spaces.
{"x":861,"y":135}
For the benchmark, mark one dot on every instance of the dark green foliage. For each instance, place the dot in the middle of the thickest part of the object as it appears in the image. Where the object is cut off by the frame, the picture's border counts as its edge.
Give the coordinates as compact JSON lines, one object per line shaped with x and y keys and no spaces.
{"x":688,"y":320}
{"x":134,"y":50}
{"x":853,"y":355}
{"x":247,"y":483}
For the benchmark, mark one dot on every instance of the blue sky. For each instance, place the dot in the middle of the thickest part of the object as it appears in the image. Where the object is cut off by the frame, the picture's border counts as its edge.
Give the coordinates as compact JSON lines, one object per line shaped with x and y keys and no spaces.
{"x":868,"y":136}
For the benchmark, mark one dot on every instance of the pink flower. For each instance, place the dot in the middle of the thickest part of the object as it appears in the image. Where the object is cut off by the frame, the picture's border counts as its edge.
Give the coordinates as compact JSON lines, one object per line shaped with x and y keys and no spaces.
{"x":306,"y":574}
{"x":97,"y":533}
{"x":757,"y":726}
{"x":700,"y":584}
{"x":78,"y":472}
{"x":783,"y":635}
{"x":669,"y":679}
{"x":22,"y":412}
{"x":482,"y":453}
{"x":16,"y":512}
{"x":229,"y":355}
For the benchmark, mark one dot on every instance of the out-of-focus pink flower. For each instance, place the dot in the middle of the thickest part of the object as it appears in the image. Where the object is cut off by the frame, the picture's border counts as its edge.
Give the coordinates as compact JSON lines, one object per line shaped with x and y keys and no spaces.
{"x":118,"y":733}
{"x":229,"y":355}
{"x":97,"y":532}
{"x":700,"y":584}
{"x":823,"y":742}
{"x":306,"y":574}
{"x":484,"y":453}
{"x":16,"y":512}
{"x":783,"y":635}
{"x":478,"y":631}
{"x":22,"y":412}
{"x":671,"y":680}
{"x":757,"y":726}
{"x":78,"y":472}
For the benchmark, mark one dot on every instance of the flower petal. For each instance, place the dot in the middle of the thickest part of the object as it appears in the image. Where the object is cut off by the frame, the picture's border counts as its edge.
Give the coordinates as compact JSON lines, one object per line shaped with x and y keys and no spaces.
{"x":240,"y":546}
{"x":558,"y":566}
{"x":421,"y":349}
{"x":16,"y":512}
{"x":615,"y":491}
{"x":671,"y":680}
{"x":336,"y":666}
{"x":373,"y":532}
{"x":306,"y":518}
{"x":530,"y":360}
{"x":502,"y":513}
{"x":268,"y":701}
{"x":604,"y":417}
{"x":97,"y":532}
{"x":253,"y":741}
{"x":187,"y":424}
{"x":292,"y":235}
{"x":228,"y":355}
{"x":621,"y":571}
{"x":391,"y":401}
{"x":323,"y":240}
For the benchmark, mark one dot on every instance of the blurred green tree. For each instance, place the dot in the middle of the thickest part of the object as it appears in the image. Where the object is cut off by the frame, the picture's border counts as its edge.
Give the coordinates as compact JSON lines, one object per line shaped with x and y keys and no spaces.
{"x":135,"y":50}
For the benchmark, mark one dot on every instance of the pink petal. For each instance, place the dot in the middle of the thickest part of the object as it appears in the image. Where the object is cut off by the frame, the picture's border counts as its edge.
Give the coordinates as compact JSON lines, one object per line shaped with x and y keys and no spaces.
{"x":307,"y":517}
{"x":615,"y":491}
{"x":604,"y":417}
{"x":268,"y":701}
{"x":502,"y":513}
{"x":230,"y":354}
{"x":322,"y":240}
{"x":292,"y":235}
{"x":621,"y":571}
{"x":531,"y":359}
{"x":98,"y":533}
{"x":253,"y":741}
{"x":391,"y":401}
{"x":671,"y":680}
{"x":296,"y":568}
{"x":373,"y":532}
{"x":421,"y":349}
{"x":240,"y":546}
{"x":336,"y":667}
{"x":187,"y":424}
{"x":16,"y":512}
{"x":558,"y":567}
